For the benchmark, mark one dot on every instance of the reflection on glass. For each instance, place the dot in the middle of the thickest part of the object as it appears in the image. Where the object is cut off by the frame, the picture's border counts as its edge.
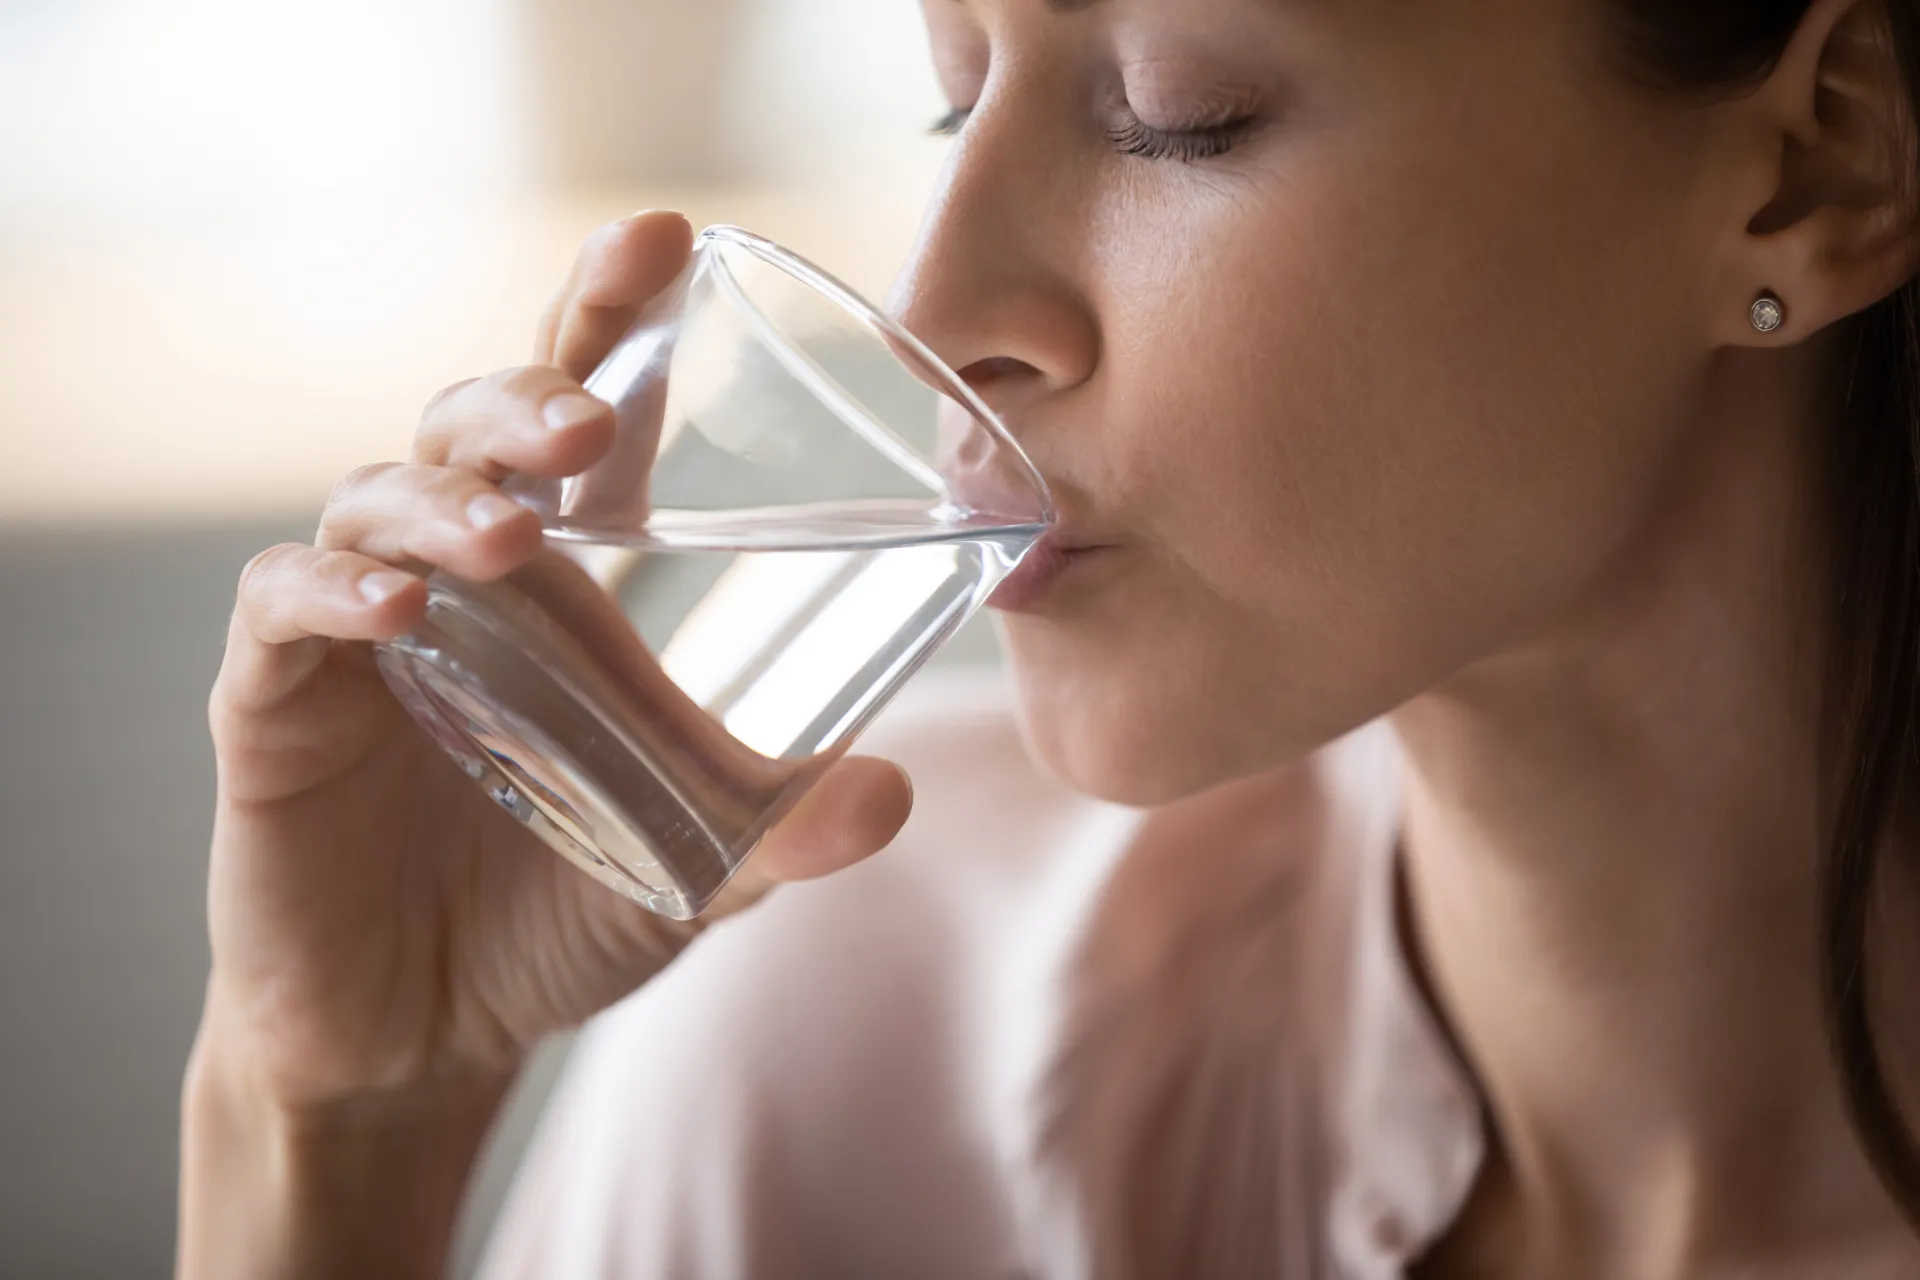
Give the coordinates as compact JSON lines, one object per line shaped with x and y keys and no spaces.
{"x":799,"y":506}
{"x":776,"y":642}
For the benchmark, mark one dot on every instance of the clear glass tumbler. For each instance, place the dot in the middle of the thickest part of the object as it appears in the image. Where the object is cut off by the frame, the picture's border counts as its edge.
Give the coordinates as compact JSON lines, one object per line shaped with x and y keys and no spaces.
{"x":801,"y":506}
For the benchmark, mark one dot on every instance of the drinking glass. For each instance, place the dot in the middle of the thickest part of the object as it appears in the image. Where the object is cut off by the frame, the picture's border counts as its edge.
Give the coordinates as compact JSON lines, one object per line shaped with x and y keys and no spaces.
{"x":800,"y":506}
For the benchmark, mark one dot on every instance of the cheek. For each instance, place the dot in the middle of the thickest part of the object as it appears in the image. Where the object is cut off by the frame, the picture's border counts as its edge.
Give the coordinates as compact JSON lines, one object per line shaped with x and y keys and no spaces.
{"x":1394,"y":426}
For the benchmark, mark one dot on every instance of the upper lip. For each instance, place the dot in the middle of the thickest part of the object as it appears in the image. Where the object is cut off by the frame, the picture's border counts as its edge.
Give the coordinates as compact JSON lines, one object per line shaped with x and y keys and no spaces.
{"x":1073,"y":528}
{"x":1068,"y":535}
{"x":1067,"y":532}
{"x":998,"y":488}
{"x":1063,"y":540}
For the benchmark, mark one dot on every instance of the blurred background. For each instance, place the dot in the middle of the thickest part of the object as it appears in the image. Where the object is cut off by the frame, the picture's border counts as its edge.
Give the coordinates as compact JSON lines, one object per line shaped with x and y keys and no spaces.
{"x":241,"y":242}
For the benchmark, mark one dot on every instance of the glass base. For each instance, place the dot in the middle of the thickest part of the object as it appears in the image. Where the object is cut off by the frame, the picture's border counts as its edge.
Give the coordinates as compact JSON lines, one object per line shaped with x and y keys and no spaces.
{"x":516,"y":705}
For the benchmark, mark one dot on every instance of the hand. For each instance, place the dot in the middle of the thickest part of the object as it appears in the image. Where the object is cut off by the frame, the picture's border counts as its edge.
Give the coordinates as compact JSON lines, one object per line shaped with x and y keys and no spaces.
{"x":377,"y":923}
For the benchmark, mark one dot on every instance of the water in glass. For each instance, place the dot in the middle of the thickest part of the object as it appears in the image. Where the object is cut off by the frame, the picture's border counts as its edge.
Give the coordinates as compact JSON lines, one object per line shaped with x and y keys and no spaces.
{"x":673,"y":693}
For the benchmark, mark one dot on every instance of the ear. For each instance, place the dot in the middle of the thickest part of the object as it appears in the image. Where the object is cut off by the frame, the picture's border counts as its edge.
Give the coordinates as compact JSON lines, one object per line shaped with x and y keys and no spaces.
{"x":1829,"y":153}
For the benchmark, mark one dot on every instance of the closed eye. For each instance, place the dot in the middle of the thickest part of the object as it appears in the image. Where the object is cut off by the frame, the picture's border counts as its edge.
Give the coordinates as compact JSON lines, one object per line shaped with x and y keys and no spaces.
{"x":1132,"y":137}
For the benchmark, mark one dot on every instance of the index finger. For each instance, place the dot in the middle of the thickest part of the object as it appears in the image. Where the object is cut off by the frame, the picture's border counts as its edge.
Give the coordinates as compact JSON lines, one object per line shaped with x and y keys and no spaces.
{"x":620,"y":268}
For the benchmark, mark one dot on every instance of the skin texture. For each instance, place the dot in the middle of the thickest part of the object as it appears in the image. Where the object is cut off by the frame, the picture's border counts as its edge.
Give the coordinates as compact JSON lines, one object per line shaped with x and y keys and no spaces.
{"x":1423,"y":351}
{"x":387,"y":945}
{"x":1433,"y":395}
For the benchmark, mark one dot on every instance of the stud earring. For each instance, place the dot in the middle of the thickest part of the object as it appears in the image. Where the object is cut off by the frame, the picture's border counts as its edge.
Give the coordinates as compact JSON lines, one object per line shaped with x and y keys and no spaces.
{"x":1769,"y":313}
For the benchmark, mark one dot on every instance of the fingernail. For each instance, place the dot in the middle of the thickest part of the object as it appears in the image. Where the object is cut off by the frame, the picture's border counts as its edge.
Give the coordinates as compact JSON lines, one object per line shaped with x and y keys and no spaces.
{"x":570,"y":410}
{"x":490,"y":509}
{"x":378,"y":588}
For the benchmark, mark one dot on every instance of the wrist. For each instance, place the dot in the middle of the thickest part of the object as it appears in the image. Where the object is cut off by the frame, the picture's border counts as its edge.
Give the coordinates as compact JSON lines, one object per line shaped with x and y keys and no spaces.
{"x":364,"y":1184}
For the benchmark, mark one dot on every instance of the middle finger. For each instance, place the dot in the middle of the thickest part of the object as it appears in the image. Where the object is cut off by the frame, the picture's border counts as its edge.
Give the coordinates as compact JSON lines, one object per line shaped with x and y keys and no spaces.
{"x":441,"y":516}
{"x":534,"y":420}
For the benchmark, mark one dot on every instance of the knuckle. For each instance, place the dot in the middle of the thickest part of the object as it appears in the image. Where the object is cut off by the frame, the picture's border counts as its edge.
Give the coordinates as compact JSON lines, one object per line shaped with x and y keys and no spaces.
{"x":336,"y":565}
{"x":258,"y":577}
{"x":435,"y":487}
{"x":357,"y":479}
{"x":529,"y":383}
{"x":599,"y":249}
{"x":437,"y":404}
{"x":601,"y":239}
{"x":556,"y":309}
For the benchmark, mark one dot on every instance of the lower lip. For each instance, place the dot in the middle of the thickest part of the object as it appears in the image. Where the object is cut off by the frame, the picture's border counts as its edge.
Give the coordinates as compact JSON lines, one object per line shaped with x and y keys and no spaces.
{"x":1045,"y":566}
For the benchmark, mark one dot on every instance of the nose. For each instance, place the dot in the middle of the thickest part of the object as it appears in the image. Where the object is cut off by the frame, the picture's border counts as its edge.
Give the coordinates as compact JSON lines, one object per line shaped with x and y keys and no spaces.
{"x":991,"y":284}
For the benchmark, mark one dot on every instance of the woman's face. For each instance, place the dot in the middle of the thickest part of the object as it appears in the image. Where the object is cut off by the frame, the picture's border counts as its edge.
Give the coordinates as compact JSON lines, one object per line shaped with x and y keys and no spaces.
{"x":1360,"y":334}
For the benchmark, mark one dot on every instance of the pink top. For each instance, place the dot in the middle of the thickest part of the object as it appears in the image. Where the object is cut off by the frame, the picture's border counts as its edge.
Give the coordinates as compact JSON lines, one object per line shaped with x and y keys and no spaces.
{"x":1014,"y":1045}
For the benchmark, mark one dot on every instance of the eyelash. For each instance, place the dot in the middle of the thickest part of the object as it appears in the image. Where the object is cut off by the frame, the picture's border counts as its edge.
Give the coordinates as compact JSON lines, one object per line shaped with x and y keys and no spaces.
{"x":950,"y":124}
{"x":1187,"y":145}
{"x":1133,"y":138}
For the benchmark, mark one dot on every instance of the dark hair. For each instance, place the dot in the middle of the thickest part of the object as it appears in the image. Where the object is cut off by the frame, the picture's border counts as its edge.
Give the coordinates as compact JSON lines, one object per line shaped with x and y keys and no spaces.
{"x":1874,"y":504}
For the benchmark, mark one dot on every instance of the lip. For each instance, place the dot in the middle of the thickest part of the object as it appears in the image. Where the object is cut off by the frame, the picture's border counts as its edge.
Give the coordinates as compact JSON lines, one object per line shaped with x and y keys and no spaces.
{"x":1052,"y":559}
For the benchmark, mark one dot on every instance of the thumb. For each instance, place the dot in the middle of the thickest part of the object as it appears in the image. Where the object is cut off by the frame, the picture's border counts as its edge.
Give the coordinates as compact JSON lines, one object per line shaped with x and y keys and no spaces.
{"x":853,"y":812}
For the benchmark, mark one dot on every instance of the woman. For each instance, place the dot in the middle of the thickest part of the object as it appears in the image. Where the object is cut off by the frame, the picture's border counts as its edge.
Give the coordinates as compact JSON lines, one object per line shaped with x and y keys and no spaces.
{"x":1485,"y":437}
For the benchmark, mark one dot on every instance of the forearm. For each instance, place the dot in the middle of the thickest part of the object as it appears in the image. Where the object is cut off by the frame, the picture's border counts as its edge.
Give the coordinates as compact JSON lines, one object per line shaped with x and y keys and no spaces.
{"x":368,"y":1188}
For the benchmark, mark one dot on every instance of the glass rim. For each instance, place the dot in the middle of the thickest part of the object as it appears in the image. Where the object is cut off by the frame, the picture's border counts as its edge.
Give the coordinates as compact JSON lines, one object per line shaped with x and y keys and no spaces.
{"x":834,"y":290}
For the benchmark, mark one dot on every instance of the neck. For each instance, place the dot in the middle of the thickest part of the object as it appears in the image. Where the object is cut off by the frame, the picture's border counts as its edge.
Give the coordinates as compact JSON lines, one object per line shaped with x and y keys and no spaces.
{"x":1613,"y":837}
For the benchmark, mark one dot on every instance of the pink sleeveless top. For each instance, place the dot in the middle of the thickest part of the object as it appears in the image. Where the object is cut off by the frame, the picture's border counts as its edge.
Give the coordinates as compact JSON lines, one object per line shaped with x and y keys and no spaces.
{"x":1014,"y":1046}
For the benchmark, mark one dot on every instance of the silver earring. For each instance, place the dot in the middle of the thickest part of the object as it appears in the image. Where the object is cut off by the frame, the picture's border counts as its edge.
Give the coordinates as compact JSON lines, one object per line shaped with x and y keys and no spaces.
{"x":1769,"y":313}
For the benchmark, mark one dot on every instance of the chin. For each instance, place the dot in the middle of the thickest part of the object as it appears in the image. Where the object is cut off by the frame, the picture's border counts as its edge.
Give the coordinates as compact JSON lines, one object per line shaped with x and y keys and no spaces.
{"x":1129,"y":741}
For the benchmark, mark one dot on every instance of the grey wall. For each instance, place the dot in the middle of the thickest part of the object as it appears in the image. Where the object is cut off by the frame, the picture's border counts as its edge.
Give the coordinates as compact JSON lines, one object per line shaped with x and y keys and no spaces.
{"x":109,"y":642}
{"x":107,"y":646}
